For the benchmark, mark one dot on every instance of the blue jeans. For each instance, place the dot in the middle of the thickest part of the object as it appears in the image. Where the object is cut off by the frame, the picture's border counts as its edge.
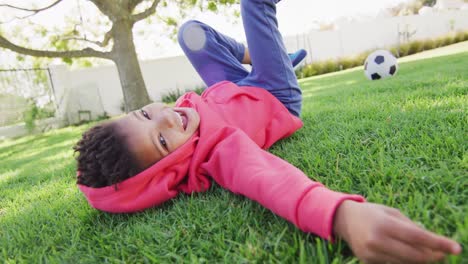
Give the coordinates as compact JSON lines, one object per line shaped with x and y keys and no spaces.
{"x":217,"y":57}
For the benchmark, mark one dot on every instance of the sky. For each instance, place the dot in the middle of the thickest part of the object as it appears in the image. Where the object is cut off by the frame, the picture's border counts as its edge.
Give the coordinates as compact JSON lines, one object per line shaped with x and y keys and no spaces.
{"x":294,"y":16}
{"x":294,"y":13}
{"x":298,"y":16}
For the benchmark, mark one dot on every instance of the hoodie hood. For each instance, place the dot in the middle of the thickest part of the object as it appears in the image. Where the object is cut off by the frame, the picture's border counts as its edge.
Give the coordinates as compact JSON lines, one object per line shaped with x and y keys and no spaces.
{"x":149,"y":188}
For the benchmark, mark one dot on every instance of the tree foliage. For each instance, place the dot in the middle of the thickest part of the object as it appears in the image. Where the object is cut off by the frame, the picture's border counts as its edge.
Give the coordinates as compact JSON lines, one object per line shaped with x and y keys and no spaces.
{"x":412,"y":7}
{"x":428,"y":2}
{"x":107,"y":36}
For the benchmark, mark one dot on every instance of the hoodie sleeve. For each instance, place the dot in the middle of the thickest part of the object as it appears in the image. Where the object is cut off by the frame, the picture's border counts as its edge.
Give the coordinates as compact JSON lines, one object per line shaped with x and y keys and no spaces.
{"x":242,"y":167}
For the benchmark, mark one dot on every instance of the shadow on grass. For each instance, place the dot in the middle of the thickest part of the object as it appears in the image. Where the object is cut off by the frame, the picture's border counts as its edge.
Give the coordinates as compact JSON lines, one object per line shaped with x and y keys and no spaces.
{"x":36,"y":161}
{"x":174,"y":231}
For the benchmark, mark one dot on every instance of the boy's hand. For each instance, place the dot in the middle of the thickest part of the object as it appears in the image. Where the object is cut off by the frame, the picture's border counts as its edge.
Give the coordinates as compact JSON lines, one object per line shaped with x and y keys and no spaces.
{"x":380,"y":234}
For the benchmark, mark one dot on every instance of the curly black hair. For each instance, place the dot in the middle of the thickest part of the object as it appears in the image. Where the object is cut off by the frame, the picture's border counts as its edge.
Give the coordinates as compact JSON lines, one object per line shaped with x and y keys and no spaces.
{"x":104,"y":158}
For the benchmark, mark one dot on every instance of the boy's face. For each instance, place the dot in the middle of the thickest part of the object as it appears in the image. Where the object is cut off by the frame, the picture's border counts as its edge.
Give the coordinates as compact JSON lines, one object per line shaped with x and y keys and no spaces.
{"x":156,"y":130}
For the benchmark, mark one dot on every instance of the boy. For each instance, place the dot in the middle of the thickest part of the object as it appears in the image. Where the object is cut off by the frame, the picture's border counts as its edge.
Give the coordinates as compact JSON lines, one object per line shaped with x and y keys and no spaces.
{"x":152,"y":154}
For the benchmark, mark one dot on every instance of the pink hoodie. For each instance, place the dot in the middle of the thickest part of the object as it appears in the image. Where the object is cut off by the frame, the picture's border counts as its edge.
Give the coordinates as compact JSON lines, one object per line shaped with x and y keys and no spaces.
{"x":236,"y":125}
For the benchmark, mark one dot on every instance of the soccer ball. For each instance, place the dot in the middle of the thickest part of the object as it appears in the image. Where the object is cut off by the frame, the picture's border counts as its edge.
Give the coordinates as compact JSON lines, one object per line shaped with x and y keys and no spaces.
{"x":380,"y":64}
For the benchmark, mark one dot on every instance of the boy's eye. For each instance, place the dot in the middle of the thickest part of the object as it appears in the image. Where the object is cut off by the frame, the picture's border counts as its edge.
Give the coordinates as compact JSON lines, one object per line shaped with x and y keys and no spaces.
{"x":163,"y":142}
{"x":145,"y":114}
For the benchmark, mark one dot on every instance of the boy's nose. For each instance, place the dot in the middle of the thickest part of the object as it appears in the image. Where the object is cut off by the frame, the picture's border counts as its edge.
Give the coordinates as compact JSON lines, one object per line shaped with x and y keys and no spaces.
{"x":167,"y":118}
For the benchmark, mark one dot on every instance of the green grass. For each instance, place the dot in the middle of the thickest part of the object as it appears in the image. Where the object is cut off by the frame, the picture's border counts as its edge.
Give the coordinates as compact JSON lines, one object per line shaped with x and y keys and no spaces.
{"x":401,"y":142}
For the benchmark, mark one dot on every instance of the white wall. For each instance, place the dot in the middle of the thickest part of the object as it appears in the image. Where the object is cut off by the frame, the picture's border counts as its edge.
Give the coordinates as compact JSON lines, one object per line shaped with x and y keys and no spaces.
{"x":98,"y":89}
{"x":352,"y":38}
{"x":20,"y":129}
{"x":169,"y":74}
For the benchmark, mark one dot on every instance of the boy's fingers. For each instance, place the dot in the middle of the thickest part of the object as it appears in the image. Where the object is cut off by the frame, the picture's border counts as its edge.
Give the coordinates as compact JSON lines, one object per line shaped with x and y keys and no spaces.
{"x":406,"y":253}
{"x":415,"y":235}
{"x":436,"y":255}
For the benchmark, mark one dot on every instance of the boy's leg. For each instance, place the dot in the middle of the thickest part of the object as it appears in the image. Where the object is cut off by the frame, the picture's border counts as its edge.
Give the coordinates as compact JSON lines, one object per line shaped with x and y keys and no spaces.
{"x":216,"y":57}
{"x":271,"y":66}
{"x":296,"y":57}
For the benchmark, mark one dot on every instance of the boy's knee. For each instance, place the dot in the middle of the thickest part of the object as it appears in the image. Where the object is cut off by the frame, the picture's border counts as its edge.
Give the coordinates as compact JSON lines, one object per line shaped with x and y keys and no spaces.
{"x":192,"y":35}
{"x":185,"y":25}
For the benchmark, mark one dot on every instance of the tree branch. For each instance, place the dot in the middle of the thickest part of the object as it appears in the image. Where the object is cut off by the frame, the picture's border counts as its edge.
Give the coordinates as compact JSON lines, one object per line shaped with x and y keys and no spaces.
{"x":34,"y":11}
{"x":148,"y":12}
{"x":131,"y":4}
{"x":97,"y":43}
{"x":86,"y":52}
{"x":107,"y":37}
{"x":108,"y":8}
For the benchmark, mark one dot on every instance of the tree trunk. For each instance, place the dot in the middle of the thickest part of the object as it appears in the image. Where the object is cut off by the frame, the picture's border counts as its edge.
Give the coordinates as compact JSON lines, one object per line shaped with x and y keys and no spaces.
{"x":126,"y":60}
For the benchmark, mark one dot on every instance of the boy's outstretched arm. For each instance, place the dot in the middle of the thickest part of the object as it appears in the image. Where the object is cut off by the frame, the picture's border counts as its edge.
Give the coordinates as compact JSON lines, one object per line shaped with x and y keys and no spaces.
{"x":241,"y":166}
{"x":374,"y":232}
{"x":380,"y":234}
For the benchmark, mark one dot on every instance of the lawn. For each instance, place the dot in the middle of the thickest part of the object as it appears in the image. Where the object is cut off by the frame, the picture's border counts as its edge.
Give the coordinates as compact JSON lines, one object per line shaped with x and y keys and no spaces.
{"x":401,"y":141}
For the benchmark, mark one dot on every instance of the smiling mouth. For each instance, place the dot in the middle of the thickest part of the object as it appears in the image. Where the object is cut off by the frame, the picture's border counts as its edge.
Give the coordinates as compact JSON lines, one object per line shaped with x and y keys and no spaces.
{"x":183,"y":119}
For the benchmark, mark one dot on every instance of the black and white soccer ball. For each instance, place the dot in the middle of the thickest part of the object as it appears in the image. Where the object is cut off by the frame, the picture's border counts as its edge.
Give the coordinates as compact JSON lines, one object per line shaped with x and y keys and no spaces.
{"x":380,"y":64}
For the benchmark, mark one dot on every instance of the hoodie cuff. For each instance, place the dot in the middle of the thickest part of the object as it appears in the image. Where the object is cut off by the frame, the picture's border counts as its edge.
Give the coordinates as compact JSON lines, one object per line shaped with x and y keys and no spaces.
{"x":317,"y":209}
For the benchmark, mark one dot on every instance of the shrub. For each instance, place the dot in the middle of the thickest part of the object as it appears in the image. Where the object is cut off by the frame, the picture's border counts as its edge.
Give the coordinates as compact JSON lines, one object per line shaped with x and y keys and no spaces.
{"x":347,"y":63}
{"x":447,"y":40}
{"x":394,"y":51}
{"x":361,"y":58}
{"x":415,"y":47}
{"x":33,"y":113}
{"x":199,"y":90}
{"x":465,"y":36}
{"x":316,"y":68}
{"x":459,"y":36}
{"x":330,"y":66}
{"x":29,"y":117}
{"x":402,"y":50}
{"x":172,"y":96}
{"x":439,"y":42}
{"x":310,"y":70}
{"x":428,"y":44}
